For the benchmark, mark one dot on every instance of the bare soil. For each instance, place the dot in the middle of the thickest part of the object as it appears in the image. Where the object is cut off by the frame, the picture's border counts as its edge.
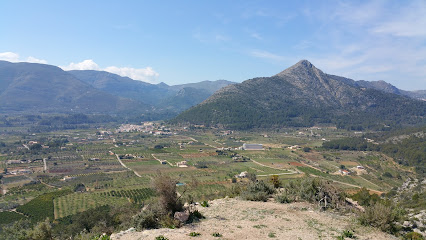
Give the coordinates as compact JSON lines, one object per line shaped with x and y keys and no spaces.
{"x":237,"y":219}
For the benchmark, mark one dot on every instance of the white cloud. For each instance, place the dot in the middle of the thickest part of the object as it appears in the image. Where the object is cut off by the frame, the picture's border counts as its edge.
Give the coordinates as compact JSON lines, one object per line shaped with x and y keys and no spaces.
{"x":142,"y":74}
{"x":9,"y":56}
{"x":35,"y":60}
{"x":14,"y":57}
{"x":88,"y":64}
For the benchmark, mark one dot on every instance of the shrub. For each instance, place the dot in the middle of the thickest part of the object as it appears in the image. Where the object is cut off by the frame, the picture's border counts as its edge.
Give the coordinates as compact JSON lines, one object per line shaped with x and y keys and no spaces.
{"x":194,"y":234}
{"x":169,"y":222}
{"x":364,"y":198}
{"x":194,"y":216}
{"x":316,"y":191}
{"x":205,"y":204}
{"x":381,"y":216}
{"x":348,"y":234}
{"x":161,"y":237}
{"x":284,"y":198}
{"x":147,"y":219}
{"x":216,"y":234}
{"x":251,"y":176}
{"x":413,"y":236}
{"x":257,"y":191}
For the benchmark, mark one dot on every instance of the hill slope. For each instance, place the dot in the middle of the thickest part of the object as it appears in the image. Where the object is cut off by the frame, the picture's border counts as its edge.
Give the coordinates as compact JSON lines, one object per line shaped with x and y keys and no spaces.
{"x":303,"y":95}
{"x":164,"y":97}
{"x":237,"y":219}
{"x":31,"y":87}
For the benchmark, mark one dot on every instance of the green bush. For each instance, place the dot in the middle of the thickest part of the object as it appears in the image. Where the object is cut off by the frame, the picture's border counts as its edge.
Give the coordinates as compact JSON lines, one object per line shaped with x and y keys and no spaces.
{"x":168,"y":221}
{"x":216,"y":234}
{"x":161,"y":237}
{"x":413,"y":236}
{"x":205,"y":204}
{"x":284,"y":198}
{"x":194,"y":234}
{"x":316,"y":191}
{"x":194,"y":216}
{"x":381,"y":216}
{"x":348,"y":234}
{"x":258,"y":191}
{"x":147,"y":219}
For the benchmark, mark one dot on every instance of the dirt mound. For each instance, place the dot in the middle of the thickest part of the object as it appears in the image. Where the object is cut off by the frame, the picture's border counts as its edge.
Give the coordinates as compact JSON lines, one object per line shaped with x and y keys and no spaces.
{"x":237,"y":219}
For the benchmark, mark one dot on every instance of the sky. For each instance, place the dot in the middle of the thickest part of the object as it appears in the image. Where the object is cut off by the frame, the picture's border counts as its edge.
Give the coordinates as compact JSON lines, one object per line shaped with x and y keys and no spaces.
{"x":190,"y":41}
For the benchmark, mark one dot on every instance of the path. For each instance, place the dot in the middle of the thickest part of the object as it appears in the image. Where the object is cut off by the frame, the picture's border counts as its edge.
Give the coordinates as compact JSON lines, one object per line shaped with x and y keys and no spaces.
{"x":288,"y":171}
{"x":45,"y":164}
{"x":122,"y":164}
{"x":347,"y":184}
{"x":161,"y":161}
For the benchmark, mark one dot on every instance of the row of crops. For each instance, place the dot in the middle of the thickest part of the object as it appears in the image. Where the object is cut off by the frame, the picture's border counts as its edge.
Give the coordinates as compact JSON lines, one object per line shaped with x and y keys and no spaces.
{"x":78,"y":202}
{"x":42,"y":206}
{"x":135,"y":195}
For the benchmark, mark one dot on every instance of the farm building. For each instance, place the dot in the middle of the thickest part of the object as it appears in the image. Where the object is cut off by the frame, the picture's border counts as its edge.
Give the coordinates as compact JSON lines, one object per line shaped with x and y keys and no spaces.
{"x":252,"y":146}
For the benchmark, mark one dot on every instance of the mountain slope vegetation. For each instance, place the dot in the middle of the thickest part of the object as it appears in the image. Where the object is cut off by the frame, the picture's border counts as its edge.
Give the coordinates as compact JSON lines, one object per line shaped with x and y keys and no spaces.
{"x":31,"y":87}
{"x":303,"y":95}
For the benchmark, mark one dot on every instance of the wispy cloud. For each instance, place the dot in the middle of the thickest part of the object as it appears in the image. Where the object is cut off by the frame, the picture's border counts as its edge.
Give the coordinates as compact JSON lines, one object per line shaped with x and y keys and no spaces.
{"x":210,"y":37}
{"x":142,"y":74}
{"x":267,"y":55}
{"x":409,"y":21}
{"x":256,"y":36}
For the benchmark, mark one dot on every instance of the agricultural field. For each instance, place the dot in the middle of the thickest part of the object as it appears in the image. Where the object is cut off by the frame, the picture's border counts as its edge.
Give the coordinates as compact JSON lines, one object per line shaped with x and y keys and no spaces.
{"x":77,"y":170}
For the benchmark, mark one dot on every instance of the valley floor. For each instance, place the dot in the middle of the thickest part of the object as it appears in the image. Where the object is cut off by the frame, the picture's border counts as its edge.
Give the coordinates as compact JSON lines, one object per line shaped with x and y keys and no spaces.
{"x":237,"y":219}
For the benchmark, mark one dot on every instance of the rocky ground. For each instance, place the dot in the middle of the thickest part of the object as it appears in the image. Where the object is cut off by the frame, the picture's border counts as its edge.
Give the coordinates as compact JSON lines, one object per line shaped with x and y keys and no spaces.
{"x":238,"y":219}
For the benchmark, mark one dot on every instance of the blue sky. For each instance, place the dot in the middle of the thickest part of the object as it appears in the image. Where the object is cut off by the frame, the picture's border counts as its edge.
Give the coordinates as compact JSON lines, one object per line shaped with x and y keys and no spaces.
{"x":190,"y":41}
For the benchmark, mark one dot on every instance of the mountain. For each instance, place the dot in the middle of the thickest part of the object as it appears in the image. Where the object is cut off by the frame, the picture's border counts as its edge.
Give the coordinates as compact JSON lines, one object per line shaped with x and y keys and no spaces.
{"x":384,"y":87}
{"x":303,"y":95}
{"x":32,"y":87}
{"x":123,"y":86}
{"x":209,"y":86}
{"x":162,"y":96}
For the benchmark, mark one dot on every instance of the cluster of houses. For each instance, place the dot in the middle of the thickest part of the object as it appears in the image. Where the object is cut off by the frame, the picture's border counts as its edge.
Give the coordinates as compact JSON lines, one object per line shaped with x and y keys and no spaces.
{"x":146,"y":127}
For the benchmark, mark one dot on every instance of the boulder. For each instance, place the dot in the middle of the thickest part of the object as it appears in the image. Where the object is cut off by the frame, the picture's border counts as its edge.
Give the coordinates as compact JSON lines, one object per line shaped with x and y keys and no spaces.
{"x":181,"y":216}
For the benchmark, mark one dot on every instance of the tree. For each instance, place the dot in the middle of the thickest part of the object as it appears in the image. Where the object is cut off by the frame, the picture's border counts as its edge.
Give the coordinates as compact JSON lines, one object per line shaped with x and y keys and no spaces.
{"x":274,"y":180}
{"x":307,"y":149}
{"x":166,"y":190}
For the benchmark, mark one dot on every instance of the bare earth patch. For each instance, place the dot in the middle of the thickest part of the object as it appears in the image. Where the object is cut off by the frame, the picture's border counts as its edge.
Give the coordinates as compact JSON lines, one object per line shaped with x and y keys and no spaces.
{"x":237,"y":219}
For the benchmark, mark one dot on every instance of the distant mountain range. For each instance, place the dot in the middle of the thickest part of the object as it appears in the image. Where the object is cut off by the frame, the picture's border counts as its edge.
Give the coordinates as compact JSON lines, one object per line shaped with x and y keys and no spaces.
{"x":41,"y":88}
{"x":299,"y":96}
{"x":35,"y":88}
{"x":303,"y":95}
{"x":161,"y":96}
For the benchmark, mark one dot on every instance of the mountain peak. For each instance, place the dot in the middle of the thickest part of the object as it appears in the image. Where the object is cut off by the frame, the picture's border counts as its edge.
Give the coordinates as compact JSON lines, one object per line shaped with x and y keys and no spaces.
{"x":304,"y":63}
{"x":304,"y":69}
